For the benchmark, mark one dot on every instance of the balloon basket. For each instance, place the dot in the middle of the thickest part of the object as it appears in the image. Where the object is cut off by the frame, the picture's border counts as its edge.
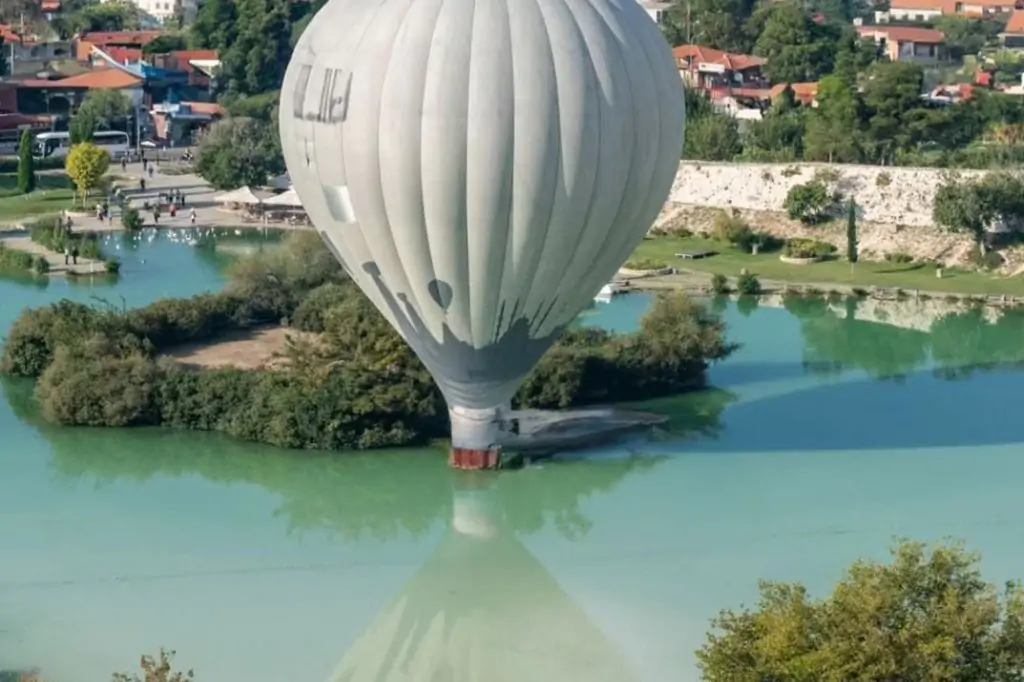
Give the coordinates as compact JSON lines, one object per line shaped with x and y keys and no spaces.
{"x":473,"y":459}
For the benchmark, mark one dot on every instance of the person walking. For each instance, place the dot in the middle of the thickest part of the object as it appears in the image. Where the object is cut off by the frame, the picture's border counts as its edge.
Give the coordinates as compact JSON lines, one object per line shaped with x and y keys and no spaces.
{"x":142,"y":184}
{"x":144,"y":163}
{"x":74,"y":255}
{"x":67,"y":254}
{"x":192,"y":215}
{"x":151,"y":169}
{"x":156,"y":215}
{"x":124,"y":162}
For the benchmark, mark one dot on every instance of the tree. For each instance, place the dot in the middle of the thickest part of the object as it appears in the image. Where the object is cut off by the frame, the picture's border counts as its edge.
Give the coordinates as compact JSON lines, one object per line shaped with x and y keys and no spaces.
{"x":169,"y":42}
{"x":925,"y":617}
{"x":809,"y":202}
{"x":798,"y":50}
{"x":83,"y":125}
{"x":832,"y":126}
{"x":851,"y":235}
{"x":715,"y":23}
{"x":107,"y":16}
{"x":105,"y":108}
{"x":715,"y":137}
{"x":215,"y":27}
{"x":85,"y":165}
{"x":892,"y":95}
{"x":237,"y":152}
{"x":26,"y":164}
{"x":255,"y":61}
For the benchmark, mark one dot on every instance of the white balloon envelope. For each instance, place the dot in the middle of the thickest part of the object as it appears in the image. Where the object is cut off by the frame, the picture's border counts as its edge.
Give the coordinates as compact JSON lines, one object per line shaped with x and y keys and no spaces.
{"x":481,"y":168}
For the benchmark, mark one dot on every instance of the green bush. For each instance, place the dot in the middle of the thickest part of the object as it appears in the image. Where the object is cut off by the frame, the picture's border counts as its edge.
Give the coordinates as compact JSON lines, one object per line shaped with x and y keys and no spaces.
{"x":810,"y":202}
{"x":808,"y":248}
{"x":131,"y":219}
{"x":49,"y":233}
{"x":41,"y":265}
{"x":732,"y":229}
{"x":720,"y":284}
{"x":358,"y":385}
{"x":112,"y":266}
{"x":311,"y":315}
{"x":645,"y":264}
{"x":899,"y":258}
{"x":13,"y":259}
{"x":748,"y":284}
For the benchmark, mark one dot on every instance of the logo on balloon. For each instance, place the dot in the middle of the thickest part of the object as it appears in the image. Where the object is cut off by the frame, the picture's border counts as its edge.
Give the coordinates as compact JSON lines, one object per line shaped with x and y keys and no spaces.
{"x":331,"y":107}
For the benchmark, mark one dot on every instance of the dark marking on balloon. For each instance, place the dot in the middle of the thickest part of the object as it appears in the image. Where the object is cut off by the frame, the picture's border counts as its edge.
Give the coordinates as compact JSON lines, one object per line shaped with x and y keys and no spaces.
{"x":441,"y":292}
{"x":497,"y":325}
{"x":330,"y":109}
{"x":466,"y":375}
{"x":545,"y":315}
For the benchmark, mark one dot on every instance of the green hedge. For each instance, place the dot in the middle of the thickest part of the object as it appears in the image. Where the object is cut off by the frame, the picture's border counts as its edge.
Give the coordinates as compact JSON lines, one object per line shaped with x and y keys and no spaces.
{"x":808,"y":248}
{"x":9,"y":164}
{"x":48,"y":232}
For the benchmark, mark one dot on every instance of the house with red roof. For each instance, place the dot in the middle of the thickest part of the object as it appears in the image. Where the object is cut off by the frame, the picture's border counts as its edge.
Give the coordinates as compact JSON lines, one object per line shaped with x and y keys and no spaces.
{"x":928,"y":10}
{"x":1013,"y":35}
{"x":923,"y":46}
{"x":705,"y":68}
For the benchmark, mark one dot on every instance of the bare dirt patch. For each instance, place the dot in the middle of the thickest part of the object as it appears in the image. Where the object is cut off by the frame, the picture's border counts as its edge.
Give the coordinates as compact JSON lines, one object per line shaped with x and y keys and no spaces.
{"x":258,"y":348}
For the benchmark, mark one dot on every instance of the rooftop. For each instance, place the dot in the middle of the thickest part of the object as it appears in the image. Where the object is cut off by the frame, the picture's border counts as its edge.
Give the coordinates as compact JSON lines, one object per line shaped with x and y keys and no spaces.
{"x":709,"y":55}
{"x":1015,"y":25}
{"x":101,"y":79}
{"x":121,"y":38}
{"x":904,"y":34}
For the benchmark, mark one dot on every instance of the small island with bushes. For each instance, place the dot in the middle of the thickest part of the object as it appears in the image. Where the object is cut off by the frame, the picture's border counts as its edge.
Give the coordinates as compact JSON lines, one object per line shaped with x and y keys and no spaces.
{"x":344,"y":379}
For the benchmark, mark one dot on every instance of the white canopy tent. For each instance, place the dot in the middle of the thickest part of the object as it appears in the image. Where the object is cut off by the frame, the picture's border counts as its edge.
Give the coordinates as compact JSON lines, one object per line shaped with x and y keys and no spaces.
{"x":289,"y":199}
{"x":242,"y":195}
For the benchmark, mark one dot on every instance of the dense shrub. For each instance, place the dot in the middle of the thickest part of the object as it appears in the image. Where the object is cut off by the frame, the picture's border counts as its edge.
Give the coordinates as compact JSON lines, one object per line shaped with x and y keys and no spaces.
{"x":311,"y":315}
{"x":9,"y":164}
{"x":748,"y":284}
{"x":645,"y":264}
{"x":899,"y":258}
{"x":732,"y":229}
{"x":810,"y":202}
{"x":14,"y":259}
{"x":356,"y":385}
{"x":50,"y":233}
{"x":720,"y":284}
{"x":808,"y":248}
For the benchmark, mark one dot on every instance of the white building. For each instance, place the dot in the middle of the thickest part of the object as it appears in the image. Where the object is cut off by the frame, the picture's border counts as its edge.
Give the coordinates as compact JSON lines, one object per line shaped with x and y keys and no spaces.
{"x":163,"y":11}
{"x":656,"y":10}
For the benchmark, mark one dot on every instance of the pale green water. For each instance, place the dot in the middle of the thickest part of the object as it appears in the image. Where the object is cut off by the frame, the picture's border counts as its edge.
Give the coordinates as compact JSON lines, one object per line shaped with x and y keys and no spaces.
{"x":259,"y":565}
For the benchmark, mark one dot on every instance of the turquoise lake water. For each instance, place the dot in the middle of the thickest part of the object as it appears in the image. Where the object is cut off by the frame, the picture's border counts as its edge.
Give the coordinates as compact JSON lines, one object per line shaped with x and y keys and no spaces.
{"x":834,"y":430}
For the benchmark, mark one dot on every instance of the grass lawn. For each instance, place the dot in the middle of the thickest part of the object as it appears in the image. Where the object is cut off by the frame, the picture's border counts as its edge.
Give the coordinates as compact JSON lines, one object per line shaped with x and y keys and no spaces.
{"x":730,"y":261}
{"x":45,"y":202}
{"x":44,"y":181}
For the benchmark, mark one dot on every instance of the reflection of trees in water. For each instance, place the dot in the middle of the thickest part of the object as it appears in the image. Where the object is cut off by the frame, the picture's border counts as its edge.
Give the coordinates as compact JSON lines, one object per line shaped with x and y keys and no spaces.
{"x":967,"y":342}
{"x":377,"y":494}
{"x":832,"y":343}
{"x":957,"y":343}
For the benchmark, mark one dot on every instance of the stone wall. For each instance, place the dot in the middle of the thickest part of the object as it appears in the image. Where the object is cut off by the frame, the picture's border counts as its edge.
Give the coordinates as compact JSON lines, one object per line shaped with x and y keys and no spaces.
{"x":903,"y":196}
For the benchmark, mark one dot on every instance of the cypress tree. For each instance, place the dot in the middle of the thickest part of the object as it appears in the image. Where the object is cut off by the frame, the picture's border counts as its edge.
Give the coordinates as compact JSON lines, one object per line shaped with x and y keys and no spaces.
{"x":26,"y":164}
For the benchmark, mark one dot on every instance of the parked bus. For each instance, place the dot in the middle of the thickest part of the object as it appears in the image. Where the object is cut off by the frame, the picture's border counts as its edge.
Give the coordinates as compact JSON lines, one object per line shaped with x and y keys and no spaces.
{"x":57,"y":144}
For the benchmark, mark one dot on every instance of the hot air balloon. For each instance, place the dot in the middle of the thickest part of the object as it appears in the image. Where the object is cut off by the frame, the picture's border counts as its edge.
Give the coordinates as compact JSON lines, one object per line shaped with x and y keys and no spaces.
{"x":481,"y":168}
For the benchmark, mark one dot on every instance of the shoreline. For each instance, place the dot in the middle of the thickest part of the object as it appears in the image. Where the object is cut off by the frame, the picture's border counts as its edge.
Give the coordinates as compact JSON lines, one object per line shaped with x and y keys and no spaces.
{"x":698,"y":282}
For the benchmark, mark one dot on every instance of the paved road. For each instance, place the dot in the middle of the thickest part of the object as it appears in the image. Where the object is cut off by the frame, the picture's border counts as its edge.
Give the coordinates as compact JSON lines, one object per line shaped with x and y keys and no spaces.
{"x":197,"y":193}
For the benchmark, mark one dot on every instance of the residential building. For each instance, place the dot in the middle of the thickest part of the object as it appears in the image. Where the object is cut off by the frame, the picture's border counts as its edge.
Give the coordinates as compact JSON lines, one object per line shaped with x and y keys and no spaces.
{"x":908,"y":43}
{"x":656,"y":10}
{"x":38,"y":96}
{"x":108,"y":39}
{"x":705,"y":68}
{"x":928,"y":10}
{"x":182,"y":123}
{"x":163,"y":10}
{"x":1013,"y":34}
